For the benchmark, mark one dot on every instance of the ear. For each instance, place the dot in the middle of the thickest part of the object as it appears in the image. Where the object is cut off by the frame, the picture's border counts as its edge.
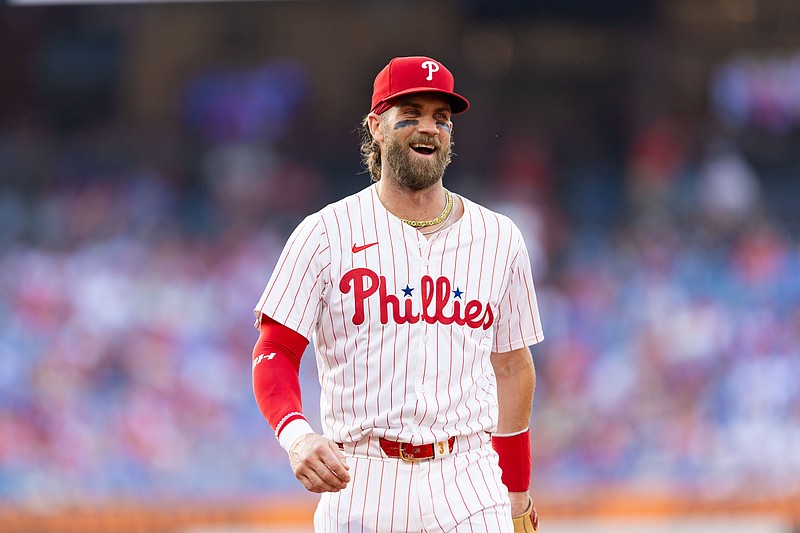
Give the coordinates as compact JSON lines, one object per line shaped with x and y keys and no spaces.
{"x":376,"y":127}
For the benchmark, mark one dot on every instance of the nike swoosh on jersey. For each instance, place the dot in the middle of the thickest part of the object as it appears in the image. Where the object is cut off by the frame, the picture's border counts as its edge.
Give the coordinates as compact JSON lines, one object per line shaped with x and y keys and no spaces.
{"x":357,"y":248}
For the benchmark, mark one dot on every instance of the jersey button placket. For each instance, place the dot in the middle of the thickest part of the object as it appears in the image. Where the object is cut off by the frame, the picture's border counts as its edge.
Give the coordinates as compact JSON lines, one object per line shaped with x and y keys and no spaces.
{"x":417,"y":348}
{"x":424,"y":337}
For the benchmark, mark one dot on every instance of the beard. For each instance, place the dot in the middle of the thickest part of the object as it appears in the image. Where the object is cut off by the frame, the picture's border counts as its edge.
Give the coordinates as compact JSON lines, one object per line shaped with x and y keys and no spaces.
{"x":416,"y":173}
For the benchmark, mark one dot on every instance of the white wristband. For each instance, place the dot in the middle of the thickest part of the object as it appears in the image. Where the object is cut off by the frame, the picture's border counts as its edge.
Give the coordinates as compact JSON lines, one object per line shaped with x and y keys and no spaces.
{"x":512,"y":434}
{"x":293,"y":431}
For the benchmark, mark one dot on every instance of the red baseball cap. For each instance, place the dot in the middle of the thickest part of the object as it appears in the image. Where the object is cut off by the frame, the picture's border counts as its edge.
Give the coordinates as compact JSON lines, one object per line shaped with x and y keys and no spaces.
{"x":415,"y":74}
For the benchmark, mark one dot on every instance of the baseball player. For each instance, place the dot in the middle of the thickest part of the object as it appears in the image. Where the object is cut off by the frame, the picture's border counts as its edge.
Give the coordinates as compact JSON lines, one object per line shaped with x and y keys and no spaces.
{"x":421,"y":307}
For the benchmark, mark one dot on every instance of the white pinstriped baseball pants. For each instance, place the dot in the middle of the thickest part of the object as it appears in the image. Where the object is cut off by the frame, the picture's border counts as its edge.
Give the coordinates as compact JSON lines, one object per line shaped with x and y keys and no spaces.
{"x":458,"y":493}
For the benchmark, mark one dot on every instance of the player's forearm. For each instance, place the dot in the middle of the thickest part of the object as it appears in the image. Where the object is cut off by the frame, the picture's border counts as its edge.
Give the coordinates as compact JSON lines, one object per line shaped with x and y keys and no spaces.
{"x":276,"y":385}
{"x":516,"y":383}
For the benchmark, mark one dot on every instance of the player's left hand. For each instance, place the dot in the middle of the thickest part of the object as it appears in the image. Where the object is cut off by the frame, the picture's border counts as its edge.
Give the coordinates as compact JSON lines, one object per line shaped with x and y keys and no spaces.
{"x":526,"y":521}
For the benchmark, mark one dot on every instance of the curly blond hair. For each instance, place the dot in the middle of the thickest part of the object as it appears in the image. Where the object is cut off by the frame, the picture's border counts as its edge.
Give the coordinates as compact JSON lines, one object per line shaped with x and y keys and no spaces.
{"x":370,"y":151}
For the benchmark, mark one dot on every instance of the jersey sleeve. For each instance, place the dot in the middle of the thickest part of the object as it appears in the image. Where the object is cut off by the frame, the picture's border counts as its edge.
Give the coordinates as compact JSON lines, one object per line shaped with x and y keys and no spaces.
{"x":518,"y":322}
{"x":295,"y":290}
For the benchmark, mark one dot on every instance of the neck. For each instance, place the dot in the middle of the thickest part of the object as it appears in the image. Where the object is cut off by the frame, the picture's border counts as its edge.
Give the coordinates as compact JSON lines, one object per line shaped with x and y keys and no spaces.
{"x":412,"y":204}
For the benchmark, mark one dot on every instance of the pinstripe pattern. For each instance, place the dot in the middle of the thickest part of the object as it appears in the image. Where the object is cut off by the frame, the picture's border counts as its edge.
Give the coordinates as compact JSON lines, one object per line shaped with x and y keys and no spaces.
{"x":417,"y":382}
{"x":458,"y":493}
{"x":403,"y":330}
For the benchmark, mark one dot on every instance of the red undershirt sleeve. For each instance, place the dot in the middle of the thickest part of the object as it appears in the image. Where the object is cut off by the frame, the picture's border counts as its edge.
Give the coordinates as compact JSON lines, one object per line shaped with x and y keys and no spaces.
{"x":276,"y":382}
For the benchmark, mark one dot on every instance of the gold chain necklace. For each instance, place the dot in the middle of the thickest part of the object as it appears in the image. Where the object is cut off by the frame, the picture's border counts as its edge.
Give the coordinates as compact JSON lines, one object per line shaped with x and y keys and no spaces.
{"x":432,"y":222}
{"x":440,"y":228}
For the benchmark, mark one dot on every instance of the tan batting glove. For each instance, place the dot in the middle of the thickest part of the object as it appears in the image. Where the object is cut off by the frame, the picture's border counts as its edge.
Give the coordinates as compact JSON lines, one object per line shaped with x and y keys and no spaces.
{"x":527,"y":521}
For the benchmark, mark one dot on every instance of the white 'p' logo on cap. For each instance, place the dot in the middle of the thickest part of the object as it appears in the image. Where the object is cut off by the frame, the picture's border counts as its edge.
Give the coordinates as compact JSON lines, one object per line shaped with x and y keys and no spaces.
{"x":432,"y":67}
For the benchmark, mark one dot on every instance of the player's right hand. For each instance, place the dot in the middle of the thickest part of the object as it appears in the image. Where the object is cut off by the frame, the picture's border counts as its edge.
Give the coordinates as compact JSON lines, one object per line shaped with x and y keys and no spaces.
{"x":318,"y":463}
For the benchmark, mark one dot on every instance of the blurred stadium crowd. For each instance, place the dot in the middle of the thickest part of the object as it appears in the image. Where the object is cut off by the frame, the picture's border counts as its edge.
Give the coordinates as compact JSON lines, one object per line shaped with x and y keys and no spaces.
{"x":668,"y":285}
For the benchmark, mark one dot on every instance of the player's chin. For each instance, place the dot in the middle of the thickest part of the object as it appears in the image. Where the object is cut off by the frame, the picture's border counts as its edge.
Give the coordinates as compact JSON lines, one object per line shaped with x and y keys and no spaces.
{"x":435,"y":161}
{"x":421,"y":180}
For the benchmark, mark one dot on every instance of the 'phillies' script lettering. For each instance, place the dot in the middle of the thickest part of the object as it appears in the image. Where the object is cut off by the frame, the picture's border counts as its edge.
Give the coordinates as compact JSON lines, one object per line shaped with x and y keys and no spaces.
{"x":435,"y":295}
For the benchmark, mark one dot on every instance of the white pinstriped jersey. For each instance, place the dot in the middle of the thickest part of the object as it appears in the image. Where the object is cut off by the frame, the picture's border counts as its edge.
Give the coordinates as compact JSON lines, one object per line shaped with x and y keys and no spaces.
{"x":403,"y":327}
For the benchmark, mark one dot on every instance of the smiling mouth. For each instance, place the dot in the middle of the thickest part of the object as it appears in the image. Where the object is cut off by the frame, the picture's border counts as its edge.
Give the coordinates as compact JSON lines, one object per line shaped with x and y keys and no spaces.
{"x":424,"y":149}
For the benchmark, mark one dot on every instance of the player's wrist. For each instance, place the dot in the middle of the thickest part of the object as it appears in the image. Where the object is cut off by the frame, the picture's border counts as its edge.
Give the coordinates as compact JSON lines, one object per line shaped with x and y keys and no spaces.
{"x":520,"y":502}
{"x":514,"y":453}
{"x":292,"y":431}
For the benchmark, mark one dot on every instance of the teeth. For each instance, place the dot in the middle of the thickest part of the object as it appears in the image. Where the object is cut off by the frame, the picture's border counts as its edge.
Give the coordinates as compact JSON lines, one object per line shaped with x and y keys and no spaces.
{"x":418,"y":145}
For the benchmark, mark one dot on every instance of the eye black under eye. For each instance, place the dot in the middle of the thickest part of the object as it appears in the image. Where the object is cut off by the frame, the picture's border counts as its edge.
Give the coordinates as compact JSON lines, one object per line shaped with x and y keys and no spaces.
{"x":406,"y":123}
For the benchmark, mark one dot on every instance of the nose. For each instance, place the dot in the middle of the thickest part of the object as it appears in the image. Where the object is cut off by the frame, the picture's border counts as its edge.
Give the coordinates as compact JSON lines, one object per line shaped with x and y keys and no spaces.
{"x":428,"y":126}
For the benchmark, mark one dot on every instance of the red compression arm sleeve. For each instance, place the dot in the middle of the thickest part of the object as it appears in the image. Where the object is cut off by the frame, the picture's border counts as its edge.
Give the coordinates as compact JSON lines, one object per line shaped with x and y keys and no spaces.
{"x":276,"y":365}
